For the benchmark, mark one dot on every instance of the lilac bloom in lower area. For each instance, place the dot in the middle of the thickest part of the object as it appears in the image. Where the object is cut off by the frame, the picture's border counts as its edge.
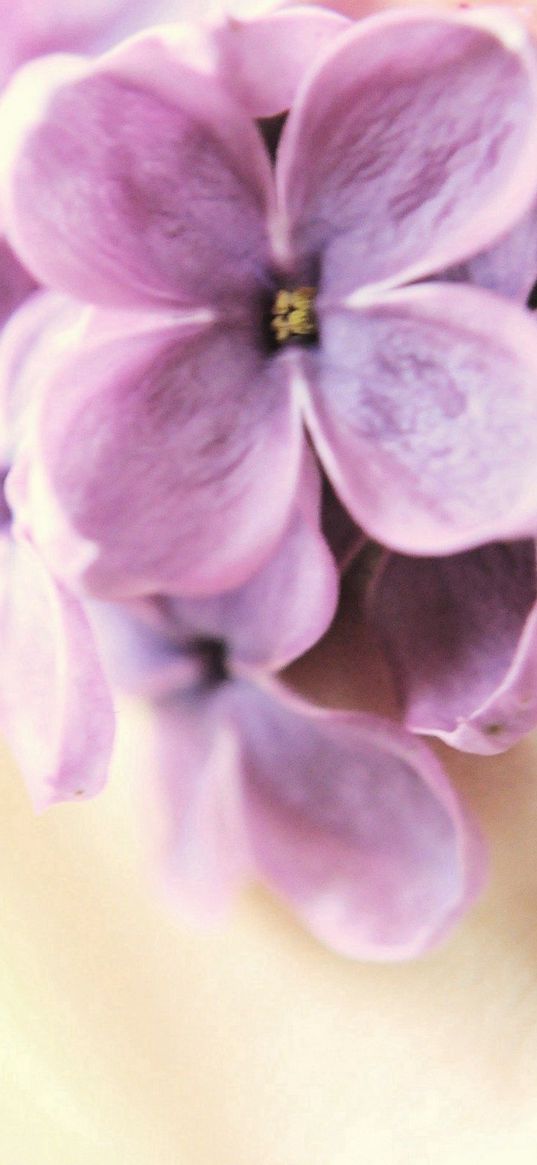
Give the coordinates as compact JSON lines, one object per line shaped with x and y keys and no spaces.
{"x":460,"y":635}
{"x":55,"y":705}
{"x":345,"y":816}
{"x":237,"y":299}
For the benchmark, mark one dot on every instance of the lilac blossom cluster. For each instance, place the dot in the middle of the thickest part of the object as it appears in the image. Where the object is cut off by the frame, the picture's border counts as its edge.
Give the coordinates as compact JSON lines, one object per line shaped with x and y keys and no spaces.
{"x":265,"y":287}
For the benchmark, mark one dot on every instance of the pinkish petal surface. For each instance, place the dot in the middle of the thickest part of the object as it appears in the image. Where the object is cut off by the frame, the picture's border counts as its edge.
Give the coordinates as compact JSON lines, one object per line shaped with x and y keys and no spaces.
{"x":167,"y":457}
{"x":461,"y":635}
{"x":427,"y":125}
{"x":135,"y":181}
{"x":424,"y":414}
{"x":358,"y":829}
{"x":55,"y":708}
{"x":28,"y":346}
{"x":281,"y":611}
{"x":510,"y":266}
{"x":30,"y":29}
{"x":264,"y":57}
{"x":195,"y":776}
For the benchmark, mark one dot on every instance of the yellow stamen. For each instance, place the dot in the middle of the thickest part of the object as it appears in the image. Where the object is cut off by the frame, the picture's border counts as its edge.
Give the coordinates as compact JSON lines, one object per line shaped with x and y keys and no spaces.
{"x":293,"y":314}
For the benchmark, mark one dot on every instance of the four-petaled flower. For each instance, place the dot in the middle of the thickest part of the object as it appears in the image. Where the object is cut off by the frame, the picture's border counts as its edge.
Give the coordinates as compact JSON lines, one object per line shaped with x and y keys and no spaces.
{"x":344,"y":815}
{"x":171,"y":437}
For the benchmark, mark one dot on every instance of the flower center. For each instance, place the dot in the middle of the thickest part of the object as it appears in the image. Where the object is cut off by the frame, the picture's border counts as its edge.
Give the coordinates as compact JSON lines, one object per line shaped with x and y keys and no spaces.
{"x":293,"y":315}
{"x":213,"y":656}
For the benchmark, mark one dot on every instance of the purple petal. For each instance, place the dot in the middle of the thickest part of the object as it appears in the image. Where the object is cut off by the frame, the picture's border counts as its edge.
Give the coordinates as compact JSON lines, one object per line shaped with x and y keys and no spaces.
{"x":510,"y":266}
{"x":283,"y":609}
{"x":461,"y":635}
{"x":264,"y":58}
{"x":427,"y":124}
{"x":355,"y":825}
{"x":140,"y":655}
{"x":28,"y":345}
{"x":196,"y":780}
{"x":168,"y":457}
{"x":424,"y":414}
{"x":55,"y":708}
{"x":51,"y":26}
{"x":134,"y":181}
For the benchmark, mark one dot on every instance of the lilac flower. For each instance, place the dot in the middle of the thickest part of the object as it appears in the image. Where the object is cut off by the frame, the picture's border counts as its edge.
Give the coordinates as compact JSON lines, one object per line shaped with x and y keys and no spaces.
{"x":460,"y":635}
{"x":55,"y":707}
{"x":170,"y":438}
{"x":342,"y":814}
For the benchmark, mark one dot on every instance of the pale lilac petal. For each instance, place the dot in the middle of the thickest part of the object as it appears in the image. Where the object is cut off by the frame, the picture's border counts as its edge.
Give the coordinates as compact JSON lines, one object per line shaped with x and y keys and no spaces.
{"x":355,"y":825}
{"x":167,"y":458}
{"x":55,"y":707}
{"x":282,"y":610}
{"x":510,"y":266}
{"x":195,"y":775}
{"x":142,"y":656}
{"x":86,"y":26}
{"x":126,"y":17}
{"x":461,"y":636}
{"x":424,"y":414}
{"x":134,"y":181}
{"x":427,"y":125}
{"x":264,"y":57}
{"x":29,"y":344}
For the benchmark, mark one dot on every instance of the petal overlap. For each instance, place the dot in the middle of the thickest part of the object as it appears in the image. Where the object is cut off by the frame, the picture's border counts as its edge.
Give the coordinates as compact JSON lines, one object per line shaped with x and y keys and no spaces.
{"x":358,"y":830}
{"x":263,"y":57}
{"x":461,"y":636}
{"x":510,"y":266}
{"x":285,"y":607}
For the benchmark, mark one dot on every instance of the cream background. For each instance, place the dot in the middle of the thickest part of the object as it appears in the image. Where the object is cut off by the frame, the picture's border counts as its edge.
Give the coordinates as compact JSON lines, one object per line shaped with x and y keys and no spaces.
{"x":129,"y":1039}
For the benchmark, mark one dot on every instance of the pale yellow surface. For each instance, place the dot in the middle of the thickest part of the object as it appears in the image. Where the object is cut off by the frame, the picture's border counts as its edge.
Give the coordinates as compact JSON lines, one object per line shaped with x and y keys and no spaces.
{"x":128,"y":1039}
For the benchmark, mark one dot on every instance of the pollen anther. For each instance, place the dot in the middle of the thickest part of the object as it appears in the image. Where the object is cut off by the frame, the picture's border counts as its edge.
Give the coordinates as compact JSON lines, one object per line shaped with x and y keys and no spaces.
{"x":293,"y":314}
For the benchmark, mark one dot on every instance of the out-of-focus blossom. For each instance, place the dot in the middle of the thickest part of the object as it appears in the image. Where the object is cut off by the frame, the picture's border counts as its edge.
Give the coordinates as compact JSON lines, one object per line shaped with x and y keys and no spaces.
{"x":55,"y":706}
{"x":31,"y":29}
{"x":138,"y":183}
{"x":357,"y":9}
{"x":460,"y":634}
{"x":345,"y":816}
